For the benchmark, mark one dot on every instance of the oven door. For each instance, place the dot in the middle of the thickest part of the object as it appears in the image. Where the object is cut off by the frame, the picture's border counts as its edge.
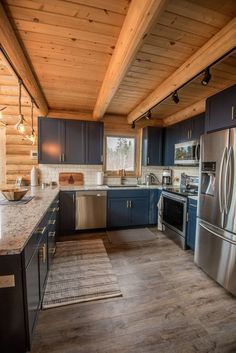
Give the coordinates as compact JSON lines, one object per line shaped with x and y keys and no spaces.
{"x":187,"y":153}
{"x":175,"y":212}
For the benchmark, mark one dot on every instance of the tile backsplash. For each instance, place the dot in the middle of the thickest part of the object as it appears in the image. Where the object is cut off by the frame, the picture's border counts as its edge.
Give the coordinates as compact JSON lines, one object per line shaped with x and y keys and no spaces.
{"x":50,"y":172}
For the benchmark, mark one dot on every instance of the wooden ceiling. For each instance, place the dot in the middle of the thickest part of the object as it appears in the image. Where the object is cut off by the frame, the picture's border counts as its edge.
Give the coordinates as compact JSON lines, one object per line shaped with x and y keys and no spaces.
{"x":69,"y":44}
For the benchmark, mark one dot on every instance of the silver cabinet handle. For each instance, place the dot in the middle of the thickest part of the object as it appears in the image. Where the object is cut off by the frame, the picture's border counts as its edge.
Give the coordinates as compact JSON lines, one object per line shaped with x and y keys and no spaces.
{"x":147,"y":160}
{"x":130,"y":204}
{"x":102,"y":158}
{"x":127,"y":204}
{"x":60,"y":158}
{"x":52,"y":221}
{"x":187,"y":217}
{"x":232,"y":113}
{"x":220,"y":178}
{"x":52,"y":251}
{"x":73,"y":198}
{"x":51,"y":234}
{"x":43,"y":253}
{"x":40,"y":230}
{"x":63,"y":157}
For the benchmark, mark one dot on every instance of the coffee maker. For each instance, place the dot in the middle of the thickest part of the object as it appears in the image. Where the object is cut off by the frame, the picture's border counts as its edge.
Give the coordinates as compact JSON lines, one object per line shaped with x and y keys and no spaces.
{"x":167,"y":177}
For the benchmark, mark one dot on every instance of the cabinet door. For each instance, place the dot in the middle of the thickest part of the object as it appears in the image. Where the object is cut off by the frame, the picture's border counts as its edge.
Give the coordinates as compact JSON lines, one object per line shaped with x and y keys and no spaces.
{"x":152,"y":146}
{"x":51,"y":240}
{"x":50,"y":140}
{"x":153,"y":201}
{"x":118,"y":212}
{"x":221,"y":110}
{"x":139,"y":211}
{"x":198,"y":126}
{"x":185,"y":131}
{"x":32,"y":291}
{"x":94,"y":143}
{"x":67,"y":212}
{"x":74,"y":137}
{"x":170,"y":139}
{"x":191,"y":228}
{"x":43,"y":263}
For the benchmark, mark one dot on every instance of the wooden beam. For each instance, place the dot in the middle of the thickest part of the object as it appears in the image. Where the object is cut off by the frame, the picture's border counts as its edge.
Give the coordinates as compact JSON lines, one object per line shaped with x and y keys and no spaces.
{"x":192,"y":110}
{"x":139,"y":19}
{"x":11,"y":46}
{"x":216,"y":47}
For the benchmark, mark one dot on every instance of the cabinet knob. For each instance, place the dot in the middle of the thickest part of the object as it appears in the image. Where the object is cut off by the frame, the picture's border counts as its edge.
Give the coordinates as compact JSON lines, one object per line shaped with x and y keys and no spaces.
{"x":51,"y":234}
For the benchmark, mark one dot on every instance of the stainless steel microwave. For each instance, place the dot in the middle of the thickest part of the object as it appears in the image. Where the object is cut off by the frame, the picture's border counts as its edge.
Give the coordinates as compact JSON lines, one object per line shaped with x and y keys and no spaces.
{"x":187,"y":153}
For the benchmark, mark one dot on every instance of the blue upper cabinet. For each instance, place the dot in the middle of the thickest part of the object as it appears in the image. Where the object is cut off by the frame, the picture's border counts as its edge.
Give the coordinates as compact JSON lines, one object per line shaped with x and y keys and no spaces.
{"x":198,"y":126}
{"x":50,"y":148}
{"x":152,"y":146}
{"x":171,"y":137}
{"x":221,"y":110}
{"x":70,"y":141}
{"x":94,"y":142}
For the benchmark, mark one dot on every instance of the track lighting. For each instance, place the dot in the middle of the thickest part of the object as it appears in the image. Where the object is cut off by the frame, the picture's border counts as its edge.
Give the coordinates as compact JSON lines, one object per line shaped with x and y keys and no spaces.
{"x":175,"y":97}
{"x":20,"y":125}
{"x":133,"y":125}
{"x":148,"y":115}
{"x":207,"y":77}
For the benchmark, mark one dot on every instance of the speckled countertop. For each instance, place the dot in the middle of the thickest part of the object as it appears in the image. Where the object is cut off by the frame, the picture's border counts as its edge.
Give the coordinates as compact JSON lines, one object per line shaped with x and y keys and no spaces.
{"x":106,"y":187}
{"x":17,"y":222}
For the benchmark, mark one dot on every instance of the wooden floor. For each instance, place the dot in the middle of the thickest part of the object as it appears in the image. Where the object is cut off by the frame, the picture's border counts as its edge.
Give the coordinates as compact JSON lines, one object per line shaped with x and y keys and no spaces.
{"x":168,"y":305}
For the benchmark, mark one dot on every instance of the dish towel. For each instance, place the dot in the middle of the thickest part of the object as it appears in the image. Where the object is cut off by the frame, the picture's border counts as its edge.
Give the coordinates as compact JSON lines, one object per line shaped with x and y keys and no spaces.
{"x":160,"y":214}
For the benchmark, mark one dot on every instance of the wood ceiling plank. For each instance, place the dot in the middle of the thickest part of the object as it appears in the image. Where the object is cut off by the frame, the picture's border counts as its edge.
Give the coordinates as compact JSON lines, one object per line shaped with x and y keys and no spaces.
{"x":217,"y":46}
{"x":119,"y":6}
{"x":192,"y":110}
{"x":140,"y":17}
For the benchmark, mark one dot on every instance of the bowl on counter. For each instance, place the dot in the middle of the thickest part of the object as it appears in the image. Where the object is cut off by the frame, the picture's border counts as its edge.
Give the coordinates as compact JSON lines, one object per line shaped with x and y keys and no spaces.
{"x":14,"y":194}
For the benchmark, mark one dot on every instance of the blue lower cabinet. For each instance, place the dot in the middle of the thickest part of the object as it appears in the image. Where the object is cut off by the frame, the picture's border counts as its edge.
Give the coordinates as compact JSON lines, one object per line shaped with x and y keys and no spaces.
{"x":127,"y":208}
{"x":191,"y":225}
{"x":153,"y":209}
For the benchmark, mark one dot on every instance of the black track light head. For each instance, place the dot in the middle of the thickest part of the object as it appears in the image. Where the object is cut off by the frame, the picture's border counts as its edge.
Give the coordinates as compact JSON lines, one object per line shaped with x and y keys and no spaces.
{"x":175,"y":97}
{"x":207,"y":77}
{"x":148,"y":115}
{"x":133,"y":125}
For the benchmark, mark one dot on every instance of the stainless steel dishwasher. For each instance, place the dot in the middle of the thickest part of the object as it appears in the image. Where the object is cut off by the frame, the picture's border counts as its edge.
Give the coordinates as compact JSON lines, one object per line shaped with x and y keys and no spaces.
{"x":91,"y":209}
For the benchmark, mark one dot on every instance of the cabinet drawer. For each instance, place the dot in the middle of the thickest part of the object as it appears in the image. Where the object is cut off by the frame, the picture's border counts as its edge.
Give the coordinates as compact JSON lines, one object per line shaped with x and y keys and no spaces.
{"x":33,"y":242}
{"x":128,"y":193}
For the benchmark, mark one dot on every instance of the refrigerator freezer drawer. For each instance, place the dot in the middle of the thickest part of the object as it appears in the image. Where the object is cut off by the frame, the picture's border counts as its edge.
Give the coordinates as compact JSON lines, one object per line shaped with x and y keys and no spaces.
{"x":216,"y":255}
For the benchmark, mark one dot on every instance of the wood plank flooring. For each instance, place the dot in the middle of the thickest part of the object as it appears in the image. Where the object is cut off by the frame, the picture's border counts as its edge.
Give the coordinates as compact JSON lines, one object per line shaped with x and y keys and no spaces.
{"x":168,"y":306}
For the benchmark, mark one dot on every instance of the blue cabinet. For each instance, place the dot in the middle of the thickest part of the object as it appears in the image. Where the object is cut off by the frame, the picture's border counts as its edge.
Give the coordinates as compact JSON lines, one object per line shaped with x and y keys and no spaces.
{"x":127,"y":208}
{"x":70,"y":141}
{"x":191,"y":225}
{"x":67,"y":212}
{"x":153,"y":202}
{"x":152,"y":146}
{"x":221,"y":110}
{"x":171,"y":137}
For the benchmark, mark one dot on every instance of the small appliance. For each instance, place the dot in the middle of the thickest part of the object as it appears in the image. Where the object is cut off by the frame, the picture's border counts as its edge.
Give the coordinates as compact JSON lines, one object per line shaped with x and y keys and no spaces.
{"x":167,"y":177}
{"x":187,"y":153}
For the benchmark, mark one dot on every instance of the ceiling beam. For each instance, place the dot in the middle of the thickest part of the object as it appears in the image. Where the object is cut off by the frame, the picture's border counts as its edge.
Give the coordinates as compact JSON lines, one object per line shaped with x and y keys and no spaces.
{"x":215,"y":48}
{"x":139,"y":19}
{"x":14,"y":51}
{"x":186,"y":113}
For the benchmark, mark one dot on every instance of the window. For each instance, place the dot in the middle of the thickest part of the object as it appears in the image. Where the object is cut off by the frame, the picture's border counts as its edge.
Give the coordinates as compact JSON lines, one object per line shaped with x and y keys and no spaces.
{"x":120,"y":153}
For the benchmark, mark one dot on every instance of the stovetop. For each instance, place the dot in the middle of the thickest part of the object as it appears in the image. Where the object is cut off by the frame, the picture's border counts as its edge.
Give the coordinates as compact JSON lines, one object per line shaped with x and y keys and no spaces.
{"x":182,"y":191}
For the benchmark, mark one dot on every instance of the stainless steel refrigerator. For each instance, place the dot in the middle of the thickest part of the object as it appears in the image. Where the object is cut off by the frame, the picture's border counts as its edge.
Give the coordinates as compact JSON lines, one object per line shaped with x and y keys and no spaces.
{"x":215,"y":250}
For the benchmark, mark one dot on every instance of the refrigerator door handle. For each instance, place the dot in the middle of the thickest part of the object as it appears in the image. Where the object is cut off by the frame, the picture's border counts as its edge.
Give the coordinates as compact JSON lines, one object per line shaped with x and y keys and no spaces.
{"x":220,"y":179}
{"x":216,"y":234}
{"x":228,"y":181}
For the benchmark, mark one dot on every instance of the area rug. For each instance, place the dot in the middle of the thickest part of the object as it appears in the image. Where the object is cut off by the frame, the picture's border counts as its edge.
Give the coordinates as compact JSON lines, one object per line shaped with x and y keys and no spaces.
{"x":130,"y":235}
{"x":81,"y":271}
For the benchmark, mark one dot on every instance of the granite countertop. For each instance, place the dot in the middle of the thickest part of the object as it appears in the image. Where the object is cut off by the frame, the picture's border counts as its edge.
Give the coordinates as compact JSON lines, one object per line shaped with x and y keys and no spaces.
{"x":17,"y":222}
{"x":106,"y":187}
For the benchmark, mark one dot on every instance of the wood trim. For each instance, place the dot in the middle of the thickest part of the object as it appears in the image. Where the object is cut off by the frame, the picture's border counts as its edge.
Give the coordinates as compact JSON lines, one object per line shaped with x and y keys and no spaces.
{"x":217,"y":46}
{"x":140,"y":17}
{"x":192,"y":110}
{"x":11,"y":46}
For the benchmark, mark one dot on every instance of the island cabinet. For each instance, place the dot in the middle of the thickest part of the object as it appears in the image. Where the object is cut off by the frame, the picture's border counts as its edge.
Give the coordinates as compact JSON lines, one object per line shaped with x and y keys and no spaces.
{"x":63,"y":141}
{"x":67,"y":212}
{"x":152,"y":146}
{"x":22,"y":284}
{"x":191,"y":223}
{"x":127,"y":208}
{"x":221,"y":110}
{"x":153,"y":205}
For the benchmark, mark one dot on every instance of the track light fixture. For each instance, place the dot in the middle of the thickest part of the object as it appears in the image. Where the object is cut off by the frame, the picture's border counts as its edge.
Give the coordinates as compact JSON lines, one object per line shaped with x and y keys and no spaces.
{"x":175,"y":97}
{"x":133,"y":125}
{"x":148,"y":115}
{"x":207,"y":77}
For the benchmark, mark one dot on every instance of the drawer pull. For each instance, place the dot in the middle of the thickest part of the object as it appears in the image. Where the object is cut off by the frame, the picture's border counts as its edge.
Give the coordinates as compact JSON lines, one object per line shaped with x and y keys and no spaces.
{"x":52,"y":251}
{"x":51,"y":234}
{"x":52,"y":221}
{"x":43,"y":253}
{"x":40,"y":230}
{"x":52,"y":209}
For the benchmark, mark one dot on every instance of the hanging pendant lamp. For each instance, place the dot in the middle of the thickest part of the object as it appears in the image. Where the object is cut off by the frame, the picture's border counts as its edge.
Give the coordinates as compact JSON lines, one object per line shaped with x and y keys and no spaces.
{"x":32,"y":137}
{"x":20,"y":125}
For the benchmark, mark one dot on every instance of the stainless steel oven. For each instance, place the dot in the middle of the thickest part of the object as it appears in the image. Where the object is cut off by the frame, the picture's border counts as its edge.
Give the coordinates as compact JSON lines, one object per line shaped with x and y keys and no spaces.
{"x":174,"y":217}
{"x":187,"y":153}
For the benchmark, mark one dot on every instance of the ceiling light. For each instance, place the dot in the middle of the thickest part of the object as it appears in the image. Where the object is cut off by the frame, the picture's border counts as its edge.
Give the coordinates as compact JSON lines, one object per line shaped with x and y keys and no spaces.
{"x":175,"y":97}
{"x":20,"y":125}
{"x":32,"y":137}
{"x":207,"y":77}
{"x":148,"y":115}
{"x":133,"y":125}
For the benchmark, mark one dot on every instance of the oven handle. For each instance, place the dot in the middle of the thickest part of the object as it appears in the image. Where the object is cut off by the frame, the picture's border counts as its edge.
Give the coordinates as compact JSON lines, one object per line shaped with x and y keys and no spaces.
{"x":175,"y":198}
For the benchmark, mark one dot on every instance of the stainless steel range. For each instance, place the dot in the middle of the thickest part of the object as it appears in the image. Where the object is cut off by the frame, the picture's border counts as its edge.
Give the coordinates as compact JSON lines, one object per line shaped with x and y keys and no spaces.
{"x":174,"y":212}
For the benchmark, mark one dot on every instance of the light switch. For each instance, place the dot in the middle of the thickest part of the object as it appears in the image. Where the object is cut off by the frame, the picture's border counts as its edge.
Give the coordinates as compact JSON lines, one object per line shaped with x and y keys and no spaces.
{"x":7,"y":281}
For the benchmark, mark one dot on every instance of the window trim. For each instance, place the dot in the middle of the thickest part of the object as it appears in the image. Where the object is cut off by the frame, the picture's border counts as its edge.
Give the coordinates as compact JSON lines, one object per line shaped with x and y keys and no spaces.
{"x":116,"y":173}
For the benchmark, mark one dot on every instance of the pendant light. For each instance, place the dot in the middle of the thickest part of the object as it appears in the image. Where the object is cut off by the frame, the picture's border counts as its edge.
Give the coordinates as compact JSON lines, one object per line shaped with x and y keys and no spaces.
{"x":2,"y":123}
{"x":32,"y":137}
{"x":20,"y":125}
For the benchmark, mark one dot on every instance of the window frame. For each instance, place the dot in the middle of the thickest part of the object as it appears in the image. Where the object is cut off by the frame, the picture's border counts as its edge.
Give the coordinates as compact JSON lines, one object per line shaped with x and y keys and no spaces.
{"x":116,"y":173}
